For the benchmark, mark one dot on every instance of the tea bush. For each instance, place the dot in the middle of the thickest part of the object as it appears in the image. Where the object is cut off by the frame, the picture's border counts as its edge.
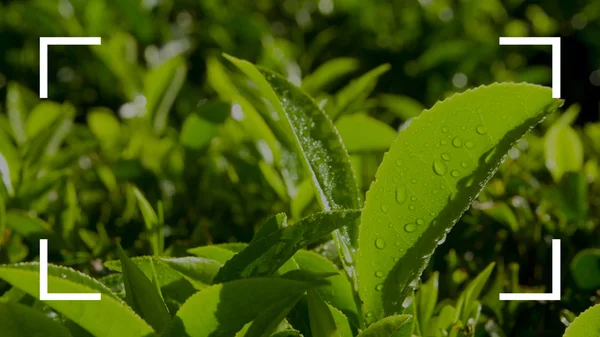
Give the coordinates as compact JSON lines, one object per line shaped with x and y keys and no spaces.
{"x":319,"y":202}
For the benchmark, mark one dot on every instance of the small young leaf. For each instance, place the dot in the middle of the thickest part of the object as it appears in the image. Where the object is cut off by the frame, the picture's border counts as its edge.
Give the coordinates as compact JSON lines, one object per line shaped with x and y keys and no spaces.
{"x":108,"y":317}
{"x":152,"y":222}
{"x":18,"y":320}
{"x":214,"y":252}
{"x":585,"y":325}
{"x":217,"y":310}
{"x":426,"y":300}
{"x":431,"y":174}
{"x":322,"y":323}
{"x":142,"y":295}
{"x":468,"y":300}
{"x":264,"y":256}
{"x":327,"y":73}
{"x":392,"y":326}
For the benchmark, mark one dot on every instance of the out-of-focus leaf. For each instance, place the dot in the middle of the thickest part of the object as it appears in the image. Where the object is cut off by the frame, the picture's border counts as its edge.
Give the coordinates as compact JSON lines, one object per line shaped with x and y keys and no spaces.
{"x":104,"y":125}
{"x":502,"y":213}
{"x":142,"y":295}
{"x":563,"y":150}
{"x":328,"y":73}
{"x":585,"y":269}
{"x":18,"y":320}
{"x":153,"y":225}
{"x":105,"y":318}
{"x":431,"y":174}
{"x":426,"y":299}
{"x":322,"y":323}
{"x":200,"y":127}
{"x":362,"y":133}
{"x":264,"y":256}
{"x":402,"y":106}
{"x":469,"y":299}
{"x":42,"y":117}
{"x":161,"y":86}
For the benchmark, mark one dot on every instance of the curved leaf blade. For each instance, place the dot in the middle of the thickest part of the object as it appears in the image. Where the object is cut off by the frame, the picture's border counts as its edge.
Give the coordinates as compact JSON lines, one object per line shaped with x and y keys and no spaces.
{"x":320,"y":148}
{"x":105,"y":318}
{"x":18,"y":320}
{"x":264,"y":256}
{"x":585,"y":325}
{"x":433,"y":171}
{"x":397,"y":326}
{"x":219,"y":305}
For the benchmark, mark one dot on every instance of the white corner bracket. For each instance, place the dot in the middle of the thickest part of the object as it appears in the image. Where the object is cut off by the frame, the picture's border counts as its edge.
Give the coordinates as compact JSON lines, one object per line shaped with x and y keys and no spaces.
{"x":58,"y":41}
{"x":541,"y":41}
{"x":555,"y":294}
{"x":44,"y":295}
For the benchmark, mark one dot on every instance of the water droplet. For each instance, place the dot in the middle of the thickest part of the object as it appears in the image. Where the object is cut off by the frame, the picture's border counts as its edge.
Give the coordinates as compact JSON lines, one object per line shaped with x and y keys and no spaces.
{"x":431,"y":214}
{"x":443,"y":142}
{"x":408,"y":301}
{"x":481,"y":129}
{"x":464,"y":164}
{"x":379,"y":287}
{"x":414,"y":181}
{"x":439,"y":168}
{"x":411,"y":207}
{"x":469,"y":144}
{"x":401,"y":194}
{"x":455,"y":173}
{"x":369,"y":314}
{"x":380,"y":243}
{"x":384,"y":208}
{"x":444,"y":129}
{"x":457,"y":142}
{"x":397,"y":243}
{"x":446,"y":156}
{"x":379,"y":273}
{"x":413,"y":198}
{"x":398,"y":163}
{"x":420,"y":222}
{"x":410,"y":227}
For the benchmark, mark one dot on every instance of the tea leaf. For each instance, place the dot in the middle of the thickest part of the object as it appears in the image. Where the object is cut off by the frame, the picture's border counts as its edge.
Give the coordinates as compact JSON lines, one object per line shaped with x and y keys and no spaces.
{"x":18,"y":320}
{"x":322,"y":323}
{"x":563,"y":150}
{"x":320,"y":149}
{"x":585,"y":325}
{"x":433,"y":171}
{"x":264,"y":256}
{"x":363,"y":133}
{"x":396,"y":326}
{"x":328,"y":73}
{"x":105,"y":318}
{"x":219,"y":306}
{"x":142,"y":295}
{"x":585,"y":269}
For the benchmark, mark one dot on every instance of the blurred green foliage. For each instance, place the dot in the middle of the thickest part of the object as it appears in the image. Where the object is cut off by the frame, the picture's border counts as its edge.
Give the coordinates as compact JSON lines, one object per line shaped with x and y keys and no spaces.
{"x":152,"y":134}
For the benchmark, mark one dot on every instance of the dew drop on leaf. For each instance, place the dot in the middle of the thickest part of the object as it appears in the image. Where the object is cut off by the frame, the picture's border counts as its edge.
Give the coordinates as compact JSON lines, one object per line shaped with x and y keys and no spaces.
{"x":457,"y":142}
{"x":446,"y":156}
{"x":380,"y":243}
{"x":420,"y":222}
{"x":379,"y":287}
{"x":401,"y":194}
{"x":481,"y":129}
{"x":413,"y":198}
{"x":469,"y":144}
{"x":444,"y":129}
{"x":384,"y":208}
{"x":455,"y":173}
{"x":379,"y":273}
{"x":410,"y":227}
{"x":439,"y":168}
{"x":411,"y":207}
{"x":464,"y":164}
{"x":398,"y":163}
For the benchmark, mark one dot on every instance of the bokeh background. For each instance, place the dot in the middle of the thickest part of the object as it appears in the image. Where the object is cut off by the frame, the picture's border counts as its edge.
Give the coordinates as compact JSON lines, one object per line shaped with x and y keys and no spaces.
{"x":156,"y":107}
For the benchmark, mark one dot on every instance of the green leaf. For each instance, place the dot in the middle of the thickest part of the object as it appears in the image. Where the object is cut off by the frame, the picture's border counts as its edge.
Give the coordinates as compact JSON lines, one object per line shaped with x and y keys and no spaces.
{"x":430,"y":176}
{"x":328,"y":73}
{"x":585,"y":325}
{"x":426,"y":300}
{"x":362,"y":133}
{"x":30,"y":227}
{"x":338,"y":292}
{"x":200,"y":127}
{"x":267,"y":321}
{"x":42,"y":117}
{"x":214,"y":252}
{"x":585,"y":269}
{"x":563,"y":150}
{"x":322,"y":323}
{"x":402,"y":106}
{"x":153,"y":225}
{"x":468,"y":300}
{"x":18,"y":320}
{"x":142,"y":295}
{"x":198,"y":271}
{"x":396,"y":326}
{"x":355,"y":92}
{"x":264,"y":256}
{"x":104,"y":125}
{"x":105,"y":318}
{"x":218,"y":306}
{"x":320,"y":149}
{"x":161,"y":86}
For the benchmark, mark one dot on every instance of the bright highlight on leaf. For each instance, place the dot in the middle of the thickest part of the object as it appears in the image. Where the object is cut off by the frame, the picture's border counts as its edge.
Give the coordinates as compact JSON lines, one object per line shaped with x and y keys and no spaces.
{"x":433,"y":171}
